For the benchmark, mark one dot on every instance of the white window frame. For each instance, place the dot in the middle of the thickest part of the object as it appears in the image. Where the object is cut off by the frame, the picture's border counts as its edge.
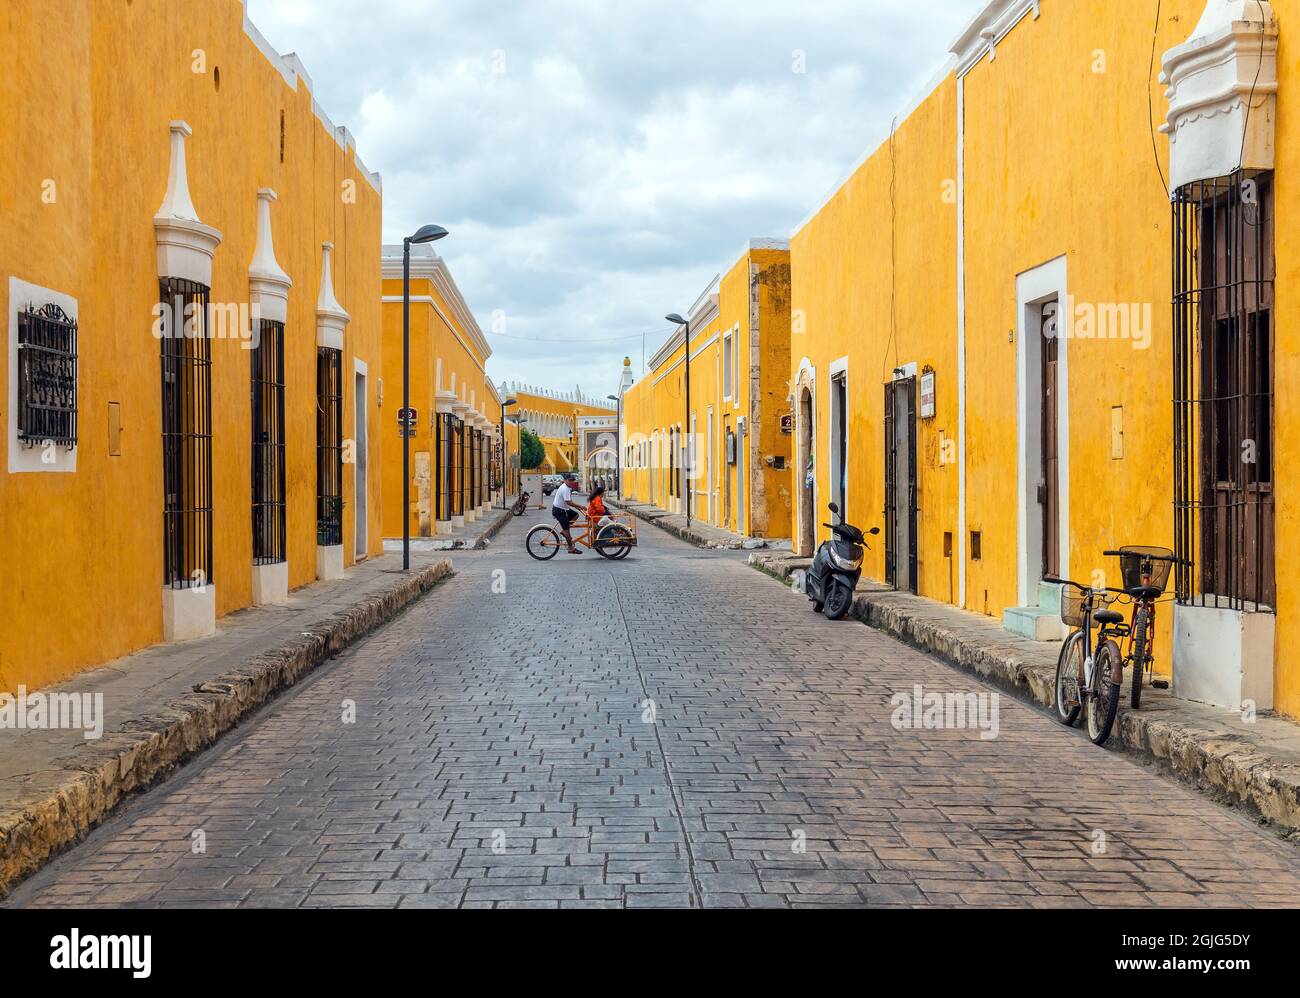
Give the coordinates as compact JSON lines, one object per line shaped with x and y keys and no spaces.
{"x":728,"y":356}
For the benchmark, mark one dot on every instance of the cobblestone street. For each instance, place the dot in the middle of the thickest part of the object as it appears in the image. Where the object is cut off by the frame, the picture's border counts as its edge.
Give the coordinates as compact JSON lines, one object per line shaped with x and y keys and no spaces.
{"x":672,"y":730}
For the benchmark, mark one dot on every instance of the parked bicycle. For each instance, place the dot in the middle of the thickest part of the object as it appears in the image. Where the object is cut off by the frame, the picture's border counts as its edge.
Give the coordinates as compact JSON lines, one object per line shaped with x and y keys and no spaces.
{"x":1090,"y":680}
{"x":521,"y":504}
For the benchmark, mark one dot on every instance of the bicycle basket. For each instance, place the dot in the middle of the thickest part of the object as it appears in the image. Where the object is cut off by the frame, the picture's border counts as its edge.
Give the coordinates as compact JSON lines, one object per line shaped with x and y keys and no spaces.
{"x":1072,"y":604}
{"x":1136,"y":561}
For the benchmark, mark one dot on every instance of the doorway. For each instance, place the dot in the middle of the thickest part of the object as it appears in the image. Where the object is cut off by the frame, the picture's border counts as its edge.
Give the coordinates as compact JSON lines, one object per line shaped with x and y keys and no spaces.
{"x":361,"y":451}
{"x":840,"y":441}
{"x":900,"y":484}
{"x":1048,"y":493}
{"x":804,"y":471}
{"x":1042,"y":427}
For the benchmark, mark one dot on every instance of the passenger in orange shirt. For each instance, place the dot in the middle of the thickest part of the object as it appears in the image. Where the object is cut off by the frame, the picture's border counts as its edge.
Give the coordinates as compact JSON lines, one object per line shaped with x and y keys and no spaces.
{"x":596,"y":510}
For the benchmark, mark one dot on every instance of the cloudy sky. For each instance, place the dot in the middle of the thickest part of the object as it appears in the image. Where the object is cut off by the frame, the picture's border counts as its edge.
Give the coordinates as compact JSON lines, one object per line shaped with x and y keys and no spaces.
{"x":597,"y":162}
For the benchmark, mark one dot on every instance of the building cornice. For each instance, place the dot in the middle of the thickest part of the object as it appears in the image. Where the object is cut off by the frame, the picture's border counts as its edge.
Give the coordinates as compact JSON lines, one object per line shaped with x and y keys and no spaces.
{"x":291,"y":70}
{"x":428,"y":265}
{"x":986,"y":29}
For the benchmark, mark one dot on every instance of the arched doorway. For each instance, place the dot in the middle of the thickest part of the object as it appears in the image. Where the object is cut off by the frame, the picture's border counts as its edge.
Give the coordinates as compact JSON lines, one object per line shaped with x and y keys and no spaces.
{"x":805,"y":535}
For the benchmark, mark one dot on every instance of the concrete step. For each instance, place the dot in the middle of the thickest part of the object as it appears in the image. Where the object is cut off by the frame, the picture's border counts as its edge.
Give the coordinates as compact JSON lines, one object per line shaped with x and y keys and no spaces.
{"x":1049,"y":596}
{"x":1034,"y":622}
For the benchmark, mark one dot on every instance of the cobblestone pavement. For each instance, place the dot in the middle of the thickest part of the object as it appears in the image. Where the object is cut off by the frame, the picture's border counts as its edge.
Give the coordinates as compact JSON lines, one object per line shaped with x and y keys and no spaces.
{"x":501,"y":755}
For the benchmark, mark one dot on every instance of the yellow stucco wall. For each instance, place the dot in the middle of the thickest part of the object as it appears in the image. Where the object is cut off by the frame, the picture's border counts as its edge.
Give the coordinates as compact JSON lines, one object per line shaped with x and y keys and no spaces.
{"x":1058,"y":163}
{"x":81,"y":558}
{"x":749,"y":496}
{"x":448,"y":354}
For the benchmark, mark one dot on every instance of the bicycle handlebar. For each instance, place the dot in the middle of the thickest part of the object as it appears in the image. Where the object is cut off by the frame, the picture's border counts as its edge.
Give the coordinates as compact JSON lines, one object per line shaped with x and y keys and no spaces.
{"x":1171,"y":558}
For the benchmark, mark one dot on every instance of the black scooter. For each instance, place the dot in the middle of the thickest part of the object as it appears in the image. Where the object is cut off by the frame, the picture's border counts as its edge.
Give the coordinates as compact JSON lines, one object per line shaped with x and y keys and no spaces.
{"x":835,"y":569}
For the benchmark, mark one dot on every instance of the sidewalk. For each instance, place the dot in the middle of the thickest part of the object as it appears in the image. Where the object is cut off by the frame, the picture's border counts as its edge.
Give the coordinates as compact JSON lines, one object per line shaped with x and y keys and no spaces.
{"x":700,"y":534}
{"x":1255,"y":764}
{"x":470,"y":537}
{"x":168,"y":702}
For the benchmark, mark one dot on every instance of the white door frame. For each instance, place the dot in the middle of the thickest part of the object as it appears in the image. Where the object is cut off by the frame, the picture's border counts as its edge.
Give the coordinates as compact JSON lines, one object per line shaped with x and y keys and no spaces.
{"x":1033,"y":289}
{"x":361,"y":455}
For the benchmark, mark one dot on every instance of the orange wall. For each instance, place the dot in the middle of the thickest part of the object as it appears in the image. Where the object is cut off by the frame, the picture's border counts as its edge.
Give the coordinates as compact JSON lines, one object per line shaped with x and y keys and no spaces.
{"x":90,"y":89}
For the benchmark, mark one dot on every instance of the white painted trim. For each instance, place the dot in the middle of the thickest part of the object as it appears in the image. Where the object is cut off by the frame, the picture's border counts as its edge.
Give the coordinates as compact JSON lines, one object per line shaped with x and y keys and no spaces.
{"x":23,"y":458}
{"x":291,"y":70}
{"x":839,"y":368}
{"x":1033,"y":288}
{"x":428,"y":265}
{"x":904,"y":371}
{"x":986,"y":30}
{"x":961,"y":341}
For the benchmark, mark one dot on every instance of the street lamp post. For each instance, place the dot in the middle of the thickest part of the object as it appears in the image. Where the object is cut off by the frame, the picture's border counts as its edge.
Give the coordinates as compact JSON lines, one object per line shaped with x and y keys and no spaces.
{"x":425,"y":234}
{"x":505,"y":451}
{"x":689,"y":458}
{"x":618,"y":443}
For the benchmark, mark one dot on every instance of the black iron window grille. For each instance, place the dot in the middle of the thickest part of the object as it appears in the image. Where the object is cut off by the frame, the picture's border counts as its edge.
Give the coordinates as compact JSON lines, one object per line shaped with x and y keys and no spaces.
{"x":187,"y":435}
{"x":457,"y":470}
{"x":475,"y":466}
{"x":329,"y":446}
{"x":267,"y":390}
{"x":443,"y":461}
{"x":1223,"y":311}
{"x":47,"y":377}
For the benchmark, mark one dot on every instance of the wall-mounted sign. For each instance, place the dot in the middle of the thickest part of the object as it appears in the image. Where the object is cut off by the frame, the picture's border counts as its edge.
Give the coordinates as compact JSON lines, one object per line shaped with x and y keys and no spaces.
{"x":787,"y":423}
{"x":407,"y":417}
{"x":927,"y":395}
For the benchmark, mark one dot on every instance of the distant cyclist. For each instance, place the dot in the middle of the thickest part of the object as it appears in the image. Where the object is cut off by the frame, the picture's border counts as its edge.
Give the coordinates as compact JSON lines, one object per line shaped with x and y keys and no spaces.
{"x":565,"y":510}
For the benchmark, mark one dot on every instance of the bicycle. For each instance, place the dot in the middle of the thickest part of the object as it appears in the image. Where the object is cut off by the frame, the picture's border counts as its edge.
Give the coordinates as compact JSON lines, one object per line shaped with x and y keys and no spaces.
{"x":613,"y":539}
{"x":1085,"y":680}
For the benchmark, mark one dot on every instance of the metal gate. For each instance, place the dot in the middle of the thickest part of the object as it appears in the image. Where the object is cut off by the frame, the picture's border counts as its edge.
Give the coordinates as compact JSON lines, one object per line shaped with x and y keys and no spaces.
{"x":1223,"y":392}
{"x":892,"y":415}
{"x":187,"y":435}
{"x":329,"y":446}
{"x":267,"y":390}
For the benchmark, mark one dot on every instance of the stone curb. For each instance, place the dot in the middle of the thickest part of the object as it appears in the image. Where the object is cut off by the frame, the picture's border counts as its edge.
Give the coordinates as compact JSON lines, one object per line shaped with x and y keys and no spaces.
{"x":660,"y":519}
{"x":1212,"y":759}
{"x":80,"y":796}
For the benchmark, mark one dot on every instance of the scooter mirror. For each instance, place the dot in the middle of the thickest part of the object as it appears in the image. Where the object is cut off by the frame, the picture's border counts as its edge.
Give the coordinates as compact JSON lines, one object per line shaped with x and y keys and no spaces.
{"x":874,"y":530}
{"x":834,"y":508}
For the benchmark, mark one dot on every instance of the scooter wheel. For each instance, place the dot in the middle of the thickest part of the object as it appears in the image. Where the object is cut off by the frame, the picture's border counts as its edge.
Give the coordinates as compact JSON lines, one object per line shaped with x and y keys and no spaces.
{"x":839,"y":599}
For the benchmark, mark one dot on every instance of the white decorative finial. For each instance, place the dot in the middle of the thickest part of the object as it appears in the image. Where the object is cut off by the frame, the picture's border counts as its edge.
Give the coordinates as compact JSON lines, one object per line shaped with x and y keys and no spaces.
{"x":176,"y":202}
{"x":331,"y":317}
{"x":268,"y":283}
{"x":185,"y":245}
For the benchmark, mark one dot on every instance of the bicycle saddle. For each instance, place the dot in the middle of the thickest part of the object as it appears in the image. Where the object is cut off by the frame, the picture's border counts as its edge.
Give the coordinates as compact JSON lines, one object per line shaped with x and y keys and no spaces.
{"x":1107,"y":617}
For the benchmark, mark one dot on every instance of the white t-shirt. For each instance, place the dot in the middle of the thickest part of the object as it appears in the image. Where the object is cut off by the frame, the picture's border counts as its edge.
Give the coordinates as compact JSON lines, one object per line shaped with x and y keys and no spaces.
{"x":562,"y":496}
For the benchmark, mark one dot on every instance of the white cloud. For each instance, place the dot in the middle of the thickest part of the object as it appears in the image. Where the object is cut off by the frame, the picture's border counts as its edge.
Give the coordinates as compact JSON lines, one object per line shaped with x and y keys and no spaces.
{"x":598,"y":163}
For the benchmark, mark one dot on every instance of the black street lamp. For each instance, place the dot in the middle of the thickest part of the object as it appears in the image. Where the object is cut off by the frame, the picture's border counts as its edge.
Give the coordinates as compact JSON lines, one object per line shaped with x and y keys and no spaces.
{"x":505,"y":451}
{"x":688,"y":458}
{"x":618,"y":442}
{"x":425,"y":234}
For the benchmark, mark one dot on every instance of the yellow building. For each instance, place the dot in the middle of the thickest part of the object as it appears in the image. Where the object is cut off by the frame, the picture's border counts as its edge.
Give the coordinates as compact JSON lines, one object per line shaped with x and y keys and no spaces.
{"x":455,"y":452}
{"x":983,"y":354}
{"x":183,"y":231}
{"x":556,"y":418}
{"x":729,"y":455}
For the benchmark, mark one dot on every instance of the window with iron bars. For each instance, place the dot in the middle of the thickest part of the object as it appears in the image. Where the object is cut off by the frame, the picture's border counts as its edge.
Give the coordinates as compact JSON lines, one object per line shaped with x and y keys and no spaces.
{"x":267,"y":390}
{"x":457,"y":467}
{"x":187,"y":434}
{"x":329,"y":446}
{"x":446,"y":433}
{"x":1223,"y":392}
{"x":47,"y":377}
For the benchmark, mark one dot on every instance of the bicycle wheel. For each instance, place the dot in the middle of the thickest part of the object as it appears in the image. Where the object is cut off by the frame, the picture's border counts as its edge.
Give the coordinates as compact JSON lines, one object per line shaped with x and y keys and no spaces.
{"x":1139,"y":655}
{"x":1103,"y":697}
{"x":611,"y":541}
{"x":1069,"y":666}
{"x":543,"y":542}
